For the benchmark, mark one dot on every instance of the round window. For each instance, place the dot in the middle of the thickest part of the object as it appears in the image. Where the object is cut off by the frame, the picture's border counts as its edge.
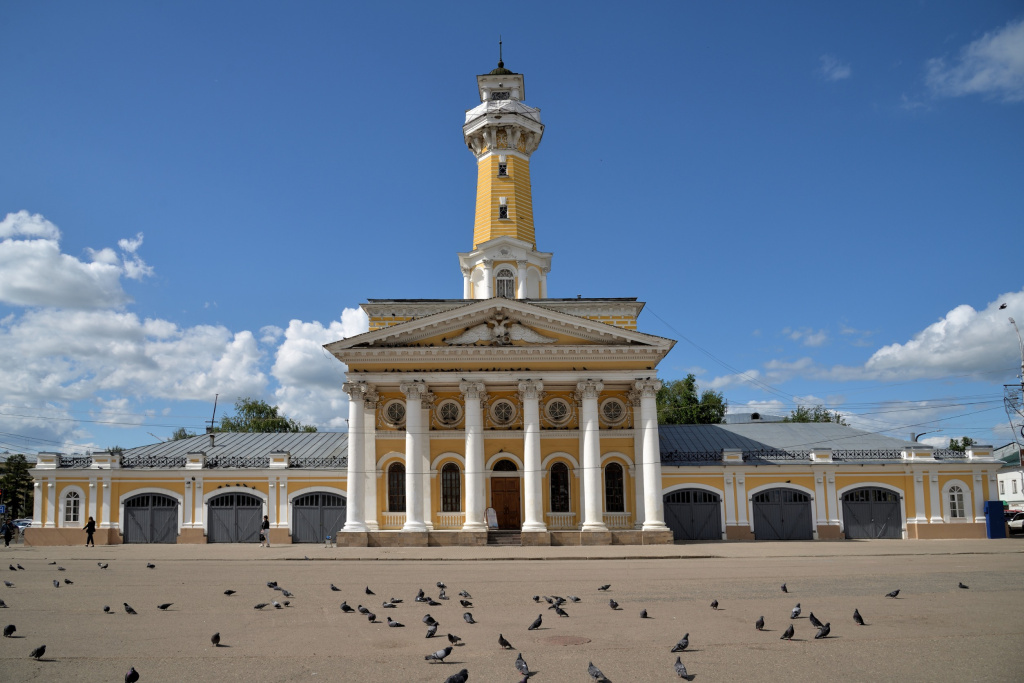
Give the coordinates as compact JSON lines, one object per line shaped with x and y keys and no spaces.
{"x":613,"y":411}
{"x":557,"y":410}
{"x":503,"y":412}
{"x":394,"y":413}
{"x":449,"y":412}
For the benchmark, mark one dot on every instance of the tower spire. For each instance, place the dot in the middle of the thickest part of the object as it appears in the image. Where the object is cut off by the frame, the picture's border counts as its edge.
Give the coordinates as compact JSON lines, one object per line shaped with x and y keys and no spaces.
{"x":501,"y":62}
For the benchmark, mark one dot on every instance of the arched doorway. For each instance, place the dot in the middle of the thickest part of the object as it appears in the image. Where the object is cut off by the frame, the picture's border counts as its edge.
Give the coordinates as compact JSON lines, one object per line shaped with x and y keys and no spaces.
{"x":315,"y":516}
{"x":872,"y":512}
{"x":505,"y":494}
{"x":234,"y":518}
{"x":782,"y":514}
{"x":694,"y":515}
{"x":151,"y":518}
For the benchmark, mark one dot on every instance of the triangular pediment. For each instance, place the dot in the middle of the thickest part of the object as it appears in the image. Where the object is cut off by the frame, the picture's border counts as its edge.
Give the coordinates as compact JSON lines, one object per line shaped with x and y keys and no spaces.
{"x":501,"y":323}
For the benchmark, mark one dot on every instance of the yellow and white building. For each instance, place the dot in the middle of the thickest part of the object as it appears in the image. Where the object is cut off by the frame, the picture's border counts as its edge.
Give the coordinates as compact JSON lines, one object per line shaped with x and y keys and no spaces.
{"x":510,"y":413}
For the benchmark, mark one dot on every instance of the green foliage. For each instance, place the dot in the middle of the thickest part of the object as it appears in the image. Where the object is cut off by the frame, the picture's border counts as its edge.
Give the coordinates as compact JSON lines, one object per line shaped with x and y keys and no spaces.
{"x":679,"y":403}
{"x":181,"y":433}
{"x":16,"y":483}
{"x":116,"y":450}
{"x":252,"y":415}
{"x":961,"y":444}
{"x":817,"y":413}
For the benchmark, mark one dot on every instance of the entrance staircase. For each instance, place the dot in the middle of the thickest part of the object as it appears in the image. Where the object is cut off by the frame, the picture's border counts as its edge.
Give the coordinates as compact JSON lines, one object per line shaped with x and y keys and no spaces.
{"x":511,"y":537}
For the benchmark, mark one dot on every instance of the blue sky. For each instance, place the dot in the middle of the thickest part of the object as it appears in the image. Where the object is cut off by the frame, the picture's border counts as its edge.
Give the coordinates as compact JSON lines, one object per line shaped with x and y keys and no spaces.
{"x":821,"y":201}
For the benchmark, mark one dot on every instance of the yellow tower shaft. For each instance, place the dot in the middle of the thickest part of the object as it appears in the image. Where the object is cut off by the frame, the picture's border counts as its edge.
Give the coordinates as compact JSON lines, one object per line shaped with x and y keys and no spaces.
{"x":512,"y":188}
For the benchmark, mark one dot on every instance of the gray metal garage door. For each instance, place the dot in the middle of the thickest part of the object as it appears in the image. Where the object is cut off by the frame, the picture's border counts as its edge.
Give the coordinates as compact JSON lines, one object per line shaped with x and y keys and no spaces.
{"x":151,"y":518}
{"x":783,"y":515}
{"x":234,"y":518}
{"x":872,"y":512}
{"x":316,"y":516}
{"x":694,"y":515}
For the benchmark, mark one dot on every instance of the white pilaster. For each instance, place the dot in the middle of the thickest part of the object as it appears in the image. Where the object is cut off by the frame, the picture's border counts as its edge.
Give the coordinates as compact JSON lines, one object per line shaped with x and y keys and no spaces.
{"x":654,"y":505}
{"x":105,"y":513}
{"x":487,"y":285}
{"x":428,"y":403}
{"x":521,"y":279}
{"x":467,"y":283}
{"x":979,"y":498}
{"x":51,"y":502}
{"x":729,"y":500}
{"x":638,"y":461}
{"x":820,"y":505}
{"x":919,"y":513}
{"x":272,"y":501}
{"x":413,"y":461}
{"x":741,"y":500}
{"x":282,"y":492}
{"x":933,"y":493}
{"x":370,"y":458}
{"x":197,"y":503}
{"x":186,"y":513}
{"x":593,"y":517}
{"x":39,"y":487}
{"x":833,"y":498}
{"x":94,"y":493}
{"x":355,"y":486}
{"x":530,"y":393}
{"x":474,"y":396}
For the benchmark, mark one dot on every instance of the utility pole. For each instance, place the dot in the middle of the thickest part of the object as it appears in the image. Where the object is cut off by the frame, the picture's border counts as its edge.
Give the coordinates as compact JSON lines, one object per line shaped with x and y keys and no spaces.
{"x":1013,"y":398}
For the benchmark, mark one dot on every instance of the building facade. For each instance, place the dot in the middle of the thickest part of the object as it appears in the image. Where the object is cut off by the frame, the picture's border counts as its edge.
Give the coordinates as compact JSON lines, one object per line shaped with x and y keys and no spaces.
{"x":508,"y":410}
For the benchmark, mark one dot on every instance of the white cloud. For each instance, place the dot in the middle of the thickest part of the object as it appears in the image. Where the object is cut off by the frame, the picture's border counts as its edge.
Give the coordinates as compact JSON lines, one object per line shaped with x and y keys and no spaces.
{"x":24,"y":224}
{"x":831,"y":69}
{"x":806,"y":336}
{"x":992,"y":65}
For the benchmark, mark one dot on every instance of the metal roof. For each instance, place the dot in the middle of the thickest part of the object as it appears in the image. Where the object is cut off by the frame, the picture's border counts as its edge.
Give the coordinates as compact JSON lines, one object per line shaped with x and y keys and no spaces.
{"x":303,"y":445}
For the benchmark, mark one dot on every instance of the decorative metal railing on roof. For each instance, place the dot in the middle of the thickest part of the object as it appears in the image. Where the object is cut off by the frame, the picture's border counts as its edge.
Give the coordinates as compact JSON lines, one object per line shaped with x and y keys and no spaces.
{"x":152,"y":461}
{"x":240,"y":461}
{"x":319,"y":462}
{"x":675,"y":457}
{"x":775,"y":454}
{"x":878,"y":454}
{"x":75,"y":462}
{"x":949,"y":454}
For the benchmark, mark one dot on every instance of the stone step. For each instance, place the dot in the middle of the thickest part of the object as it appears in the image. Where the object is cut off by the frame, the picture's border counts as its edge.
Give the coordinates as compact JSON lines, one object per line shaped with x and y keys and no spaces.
{"x":504,"y":538}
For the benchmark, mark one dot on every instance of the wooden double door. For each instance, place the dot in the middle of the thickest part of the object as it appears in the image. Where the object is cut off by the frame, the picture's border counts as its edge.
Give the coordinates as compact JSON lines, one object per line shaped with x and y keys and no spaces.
{"x":505,"y":501}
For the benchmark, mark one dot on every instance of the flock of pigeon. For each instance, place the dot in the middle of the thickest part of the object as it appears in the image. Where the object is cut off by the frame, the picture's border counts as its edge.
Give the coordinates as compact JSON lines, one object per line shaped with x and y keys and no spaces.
{"x":554,"y":602}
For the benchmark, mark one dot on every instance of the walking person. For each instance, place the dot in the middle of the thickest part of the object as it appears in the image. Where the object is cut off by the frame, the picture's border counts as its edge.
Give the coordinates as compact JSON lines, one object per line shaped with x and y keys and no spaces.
{"x":90,"y":529}
{"x":8,"y":529}
{"x":265,"y":531}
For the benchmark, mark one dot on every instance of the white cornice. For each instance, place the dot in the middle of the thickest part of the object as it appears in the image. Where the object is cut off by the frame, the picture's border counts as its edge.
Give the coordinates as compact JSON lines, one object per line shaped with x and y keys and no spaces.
{"x":498,"y":380}
{"x":501,"y":354}
{"x":459,"y":435}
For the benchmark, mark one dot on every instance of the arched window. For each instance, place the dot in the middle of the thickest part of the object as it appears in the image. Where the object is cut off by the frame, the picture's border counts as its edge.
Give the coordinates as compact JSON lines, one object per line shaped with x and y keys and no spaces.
{"x":505,"y":283}
{"x":956,"y":502}
{"x":396,"y":487}
{"x":559,"y":487}
{"x":505,"y":465}
{"x":451,"y":488}
{"x":614,"y":488}
{"x":72,"y":508}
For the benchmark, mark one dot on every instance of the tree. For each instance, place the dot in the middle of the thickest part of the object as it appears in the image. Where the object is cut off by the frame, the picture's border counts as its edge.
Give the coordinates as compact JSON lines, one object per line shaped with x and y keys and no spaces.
{"x":116,"y":450}
{"x":181,"y":433}
{"x":16,"y":483}
{"x":679,"y":403}
{"x":962,"y":444}
{"x":252,"y":415}
{"x":817,"y":413}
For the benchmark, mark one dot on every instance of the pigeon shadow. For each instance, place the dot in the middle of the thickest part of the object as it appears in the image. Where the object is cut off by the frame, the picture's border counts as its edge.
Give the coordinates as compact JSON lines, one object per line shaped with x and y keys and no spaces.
{"x":222,"y":645}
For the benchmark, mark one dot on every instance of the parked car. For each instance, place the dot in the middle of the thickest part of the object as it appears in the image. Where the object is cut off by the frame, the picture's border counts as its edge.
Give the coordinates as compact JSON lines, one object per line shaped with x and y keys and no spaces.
{"x":1017,"y":523}
{"x":22,"y":524}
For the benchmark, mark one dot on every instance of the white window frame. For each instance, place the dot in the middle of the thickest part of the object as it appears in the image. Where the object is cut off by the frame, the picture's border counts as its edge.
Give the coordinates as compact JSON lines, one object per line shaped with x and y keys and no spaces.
{"x":509,"y":280}
{"x":65,"y":496}
{"x":947,"y":508}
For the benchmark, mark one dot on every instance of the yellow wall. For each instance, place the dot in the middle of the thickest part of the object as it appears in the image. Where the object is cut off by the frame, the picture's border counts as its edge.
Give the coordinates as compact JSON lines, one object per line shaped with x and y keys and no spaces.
{"x":516,"y":189}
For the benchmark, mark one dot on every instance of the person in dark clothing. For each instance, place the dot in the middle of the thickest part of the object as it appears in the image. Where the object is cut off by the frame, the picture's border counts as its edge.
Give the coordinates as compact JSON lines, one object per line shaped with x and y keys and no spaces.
{"x":8,"y":529}
{"x":90,"y":529}
{"x":265,"y":531}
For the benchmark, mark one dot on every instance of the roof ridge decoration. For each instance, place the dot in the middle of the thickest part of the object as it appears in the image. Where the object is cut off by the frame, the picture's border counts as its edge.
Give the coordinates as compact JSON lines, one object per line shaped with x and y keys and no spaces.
{"x":500,"y":330}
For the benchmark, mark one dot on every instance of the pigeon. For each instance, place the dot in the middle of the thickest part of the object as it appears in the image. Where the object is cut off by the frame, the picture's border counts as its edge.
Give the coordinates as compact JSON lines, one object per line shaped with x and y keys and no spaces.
{"x":548,"y":600}
{"x":215,"y":639}
{"x":683,"y":643}
{"x":560,"y":612}
{"x":335,"y":588}
{"x":61,"y":569}
{"x":8,"y":584}
{"x":38,"y":652}
{"x":681,"y":668}
{"x":536,"y":623}
{"x":229,"y":592}
{"x":419,"y":596}
{"x":595,"y":673}
{"x":3,"y":604}
{"x":102,"y":565}
{"x":388,"y":605}
{"x":788,"y":635}
{"x":796,"y":612}
{"x":271,"y":584}
{"x":276,"y":604}
{"x":441,"y":595}
{"x":714,"y":604}
{"x":439,"y":655}
{"x":465,"y":603}
{"x":346,"y":608}
{"x":432,"y":630}
{"x":23,"y":569}
{"x":128,"y":608}
{"x":522,"y":666}
{"x":428,"y":620}
{"x":287,"y":603}
{"x":857,"y":618}
{"x":261,"y":605}
{"x":164,"y":606}
{"x":287,"y":594}
{"x":56,"y":583}
{"x":369,"y":592}
{"x":468,"y":618}
{"x":9,"y":629}
{"x":643,"y":614}
{"x":536,"y":598}
{"x":394,"y":624}
{"x":361,"y":609}
{"x":440,"y":584}
{"x":893,"y":594}
{"x":51,"y":563}
{"x":504,"y":643}
{"x":815,"y":621}
{"x":1002,"y":306}
{"x":823,"y":631}
{"x":460,"y":677}
{"x":759,"y":624}
{"x":454,"y":640}
{"x":574,"y":598}
{"x":784,"y":589}
{"x":433,"y":603}
{"x":466,"y":595}
{"x":11,"y":567}
{"x":396,"y":601}
{"x":279,"y":588}
{"x":371,"y":617}
{"x":613,"y":604}
{"x":132,"y":676}
{"x":604,"y":588}
{"x":961,"y":585}
{"x":106,"y":608}
{"x":149,"y":565}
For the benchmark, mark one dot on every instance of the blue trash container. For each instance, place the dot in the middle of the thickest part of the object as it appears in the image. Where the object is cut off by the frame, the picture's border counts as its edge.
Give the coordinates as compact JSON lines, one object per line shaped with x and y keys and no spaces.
{"x":995,"y":520}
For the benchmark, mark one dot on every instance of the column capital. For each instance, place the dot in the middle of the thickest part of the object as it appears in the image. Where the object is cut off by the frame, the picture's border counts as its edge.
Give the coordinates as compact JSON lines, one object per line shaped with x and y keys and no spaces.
{"x":355,"y":390}
{"x":427,"y":399}
{"x":589,"y":389}
{"x":531,"y":389}
{"x":371,"y":397}
{"x":487,"y":262}
{"x":522,"y":263}
{"x":466,"y":272}
{"x":647,"y":388}
{"x":633,"y":398}
{"x":414,"y":391}
{"x":473,"y":390}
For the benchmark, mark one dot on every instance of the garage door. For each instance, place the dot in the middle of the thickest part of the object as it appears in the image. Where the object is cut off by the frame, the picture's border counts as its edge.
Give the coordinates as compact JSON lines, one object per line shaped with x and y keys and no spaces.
{"x":694,"y":515}
{"x":151,"y":518}
{"x":234,"y":518}
{"x":871,"y":512}
{"x":317,"y":516}
{"x":782,"y":515}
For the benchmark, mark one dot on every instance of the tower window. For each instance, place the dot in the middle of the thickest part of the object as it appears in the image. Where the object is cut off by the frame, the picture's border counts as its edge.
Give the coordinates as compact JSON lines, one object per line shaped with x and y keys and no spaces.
{"x":505,"y":283}
{"x":503,"y":211}
{"x":499,"y":95}
{"x":503,"y":170}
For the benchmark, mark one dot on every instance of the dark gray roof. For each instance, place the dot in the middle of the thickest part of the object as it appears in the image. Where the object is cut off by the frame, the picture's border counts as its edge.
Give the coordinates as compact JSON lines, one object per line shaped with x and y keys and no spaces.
{"x":743,"y":418}
{"x":229,"y":444}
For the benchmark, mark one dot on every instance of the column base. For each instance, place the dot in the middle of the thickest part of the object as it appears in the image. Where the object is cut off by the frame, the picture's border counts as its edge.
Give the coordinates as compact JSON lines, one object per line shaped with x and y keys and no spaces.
{"x":416,"y":527}
{"x":354,"y":527}
{"x":474,"y":526}
{"x":655,"y":526}
{"x":593,"y":527}
{"x":534,"y":527}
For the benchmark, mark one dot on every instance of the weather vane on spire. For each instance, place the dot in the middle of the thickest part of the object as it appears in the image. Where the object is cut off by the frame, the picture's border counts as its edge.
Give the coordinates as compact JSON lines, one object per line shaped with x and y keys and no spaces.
{"x":500,"y":62}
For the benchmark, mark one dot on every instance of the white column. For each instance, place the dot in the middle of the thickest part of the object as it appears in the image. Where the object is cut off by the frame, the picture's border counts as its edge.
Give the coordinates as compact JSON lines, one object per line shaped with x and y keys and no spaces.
{"x":428,"y":404}
{"x":833,"y":498}
{"x":654,"y":505}
{"x":370,"y":458}
{"x":37,"y":500}
{"x":488,"y":282}
{"x":820,"y":507}
{"x":593,"y":517}
{"x":282,"y":487}
{"x":979,"y":498}
{"x":919,"y":514}
{"x":355,"y":486}
{"x":106,"y":523}
{"x":936,"y":498}
{"x":197,"y":502}
{"x":186,"y":513}
{"x":413,"y":461}
{"x":94,"y":493}
{"x":533,"y":497}
{"x":51,"y":503}
{"x":467,"y":283}
{"x":638,"y":453}
{"x":474,"y":397}
{"x":729,"y":501}
{"x":521,"y":279}
{"x":741,"y":502}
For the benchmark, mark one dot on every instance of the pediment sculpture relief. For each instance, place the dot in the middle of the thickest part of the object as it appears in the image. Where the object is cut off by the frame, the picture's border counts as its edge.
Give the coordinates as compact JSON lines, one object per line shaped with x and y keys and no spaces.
{"x":500,"y":331}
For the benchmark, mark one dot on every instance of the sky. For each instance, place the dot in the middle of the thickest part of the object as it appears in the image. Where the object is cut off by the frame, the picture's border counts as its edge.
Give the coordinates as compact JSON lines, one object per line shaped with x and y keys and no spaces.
{"x":820,"y":201}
